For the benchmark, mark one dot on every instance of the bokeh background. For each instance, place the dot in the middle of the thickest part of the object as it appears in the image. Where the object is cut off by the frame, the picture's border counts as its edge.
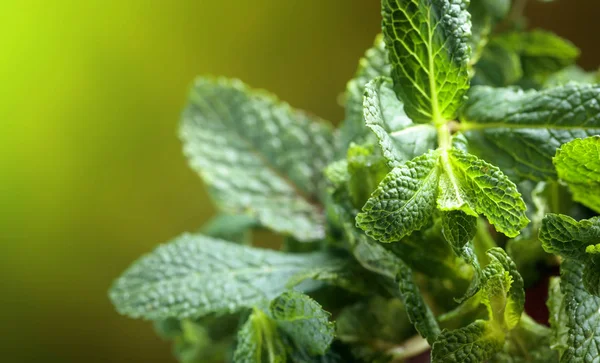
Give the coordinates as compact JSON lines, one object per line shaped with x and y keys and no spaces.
{"x":91,"y":173}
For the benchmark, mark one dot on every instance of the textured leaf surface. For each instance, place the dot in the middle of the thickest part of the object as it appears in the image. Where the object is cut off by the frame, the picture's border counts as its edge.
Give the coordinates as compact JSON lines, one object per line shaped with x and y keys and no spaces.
{"x":372,"y":65}
{"x":258,"y":155}
{"x":578,"y":164}
{"x":475,"y":343}
{"x":515,"y":295}
{"x":521,"y":131}
{"x":404,"y":201}
{"x":428,"y":45}
{"x":582,"y":310}
{"x":258,"y":341}
{"x":195,"y":275}
{"x":400,"y":139}
{"x":458,"y":228}
{"x":417,"y":310}
{"x":303,"y":319}
{"x":365,"y":169}
{"x":562,"y":235}
{"x":476,"y":187}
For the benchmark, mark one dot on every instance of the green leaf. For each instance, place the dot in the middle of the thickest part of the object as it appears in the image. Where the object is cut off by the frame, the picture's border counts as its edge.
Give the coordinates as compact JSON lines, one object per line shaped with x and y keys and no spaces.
{"x":428,"y":45}
{"x":196,"y":275}
{"x":258,"y":341}
{"x":258,"y":155}
{"x":559,"y":320}
{"x":583,"y":314}
{"x":376,"y":324}
{"x":527,"y":342}
{"x":542,"y":53}
{"x":476,"y":187}
{"x":458,"y":229}
{"x":562,"y":235}
{"x":515,"y":294}
{"x":451,"y":179}
{"x":417,"y":310}
{"x":404,"y":201}
{"x":399,"y":138}
{"x":498,"y":67}
{"x":578,"y":164}
{"x":474,"y":343}
{"x":521,"y":131}
{"x":234,"y":228}
{"x":303,"y":319}
{"x":372,"y":65}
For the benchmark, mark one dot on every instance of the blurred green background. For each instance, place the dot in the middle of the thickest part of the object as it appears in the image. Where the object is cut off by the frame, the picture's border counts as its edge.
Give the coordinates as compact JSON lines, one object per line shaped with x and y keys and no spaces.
{"x":91,"y":173}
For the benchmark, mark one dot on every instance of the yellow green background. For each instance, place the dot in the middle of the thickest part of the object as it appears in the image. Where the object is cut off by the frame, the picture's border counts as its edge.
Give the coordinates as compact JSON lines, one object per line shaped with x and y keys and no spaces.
{"x":91,"y":173}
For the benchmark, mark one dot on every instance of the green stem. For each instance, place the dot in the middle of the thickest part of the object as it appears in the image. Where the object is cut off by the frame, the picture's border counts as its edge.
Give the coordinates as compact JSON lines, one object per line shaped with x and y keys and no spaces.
{"x":483,"y":241}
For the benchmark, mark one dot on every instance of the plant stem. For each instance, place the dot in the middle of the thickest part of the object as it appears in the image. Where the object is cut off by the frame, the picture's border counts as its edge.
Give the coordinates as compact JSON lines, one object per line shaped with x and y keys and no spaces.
{"x":483,"y":241}
{"x":410,"y":348}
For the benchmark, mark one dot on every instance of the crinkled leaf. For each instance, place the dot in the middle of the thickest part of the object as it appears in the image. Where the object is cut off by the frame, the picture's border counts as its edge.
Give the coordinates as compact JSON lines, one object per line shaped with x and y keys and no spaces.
{"x":258,"y":155}
{"x":521,"y":131}
{"x":429,"y":50}
{"x":259,"y":341}
{"x":195,"y":275}
{"x":582,"y":310}
{"x":404,"y":201}
{"x":474,"y":343}
{"x":458,"y":228}
{"x":372,"y":65}
{"x":562,"y":235}
{"x":476,"y":187}
{"x":578,"y":164}
{"x":417,"y":310}
{"x":304,"y":320}
{"x":515,"y":294}
{"x":399,"y":138}
{"x":559,"y":320}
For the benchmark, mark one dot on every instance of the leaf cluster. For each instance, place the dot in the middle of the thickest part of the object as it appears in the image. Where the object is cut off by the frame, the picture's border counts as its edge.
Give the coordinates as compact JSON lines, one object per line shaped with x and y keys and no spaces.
{"x":467,"y":167}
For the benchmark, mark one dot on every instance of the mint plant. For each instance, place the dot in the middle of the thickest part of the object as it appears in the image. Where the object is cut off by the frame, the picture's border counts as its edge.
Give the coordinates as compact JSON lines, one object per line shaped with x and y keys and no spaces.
{"x":467,"y":169}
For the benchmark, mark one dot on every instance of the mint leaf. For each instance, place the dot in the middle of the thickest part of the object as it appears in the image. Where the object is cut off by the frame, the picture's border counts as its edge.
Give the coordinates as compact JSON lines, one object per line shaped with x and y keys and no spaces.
{"x":459,"y":229}
{"x":583,"y":317}
{"x":258,"y":341}
{"x":476,"y":187}
{"x":303,"y":319}
{"x":578,"y":164}
{"x":195,"y":275}
{"x":399,"y":138}
{"x":474,"y":343}
{"x":515,"y":294}
{"x":258,"y":155}
{"x":428,"y":45}
{"x":559,"y":320}
{"x":404,"y":201}
{"x":562,"y":235}
{"x":372,"y":65}
{"x":521,"y":131}
{"x":451,"y":179}
{"x":417,"y":310}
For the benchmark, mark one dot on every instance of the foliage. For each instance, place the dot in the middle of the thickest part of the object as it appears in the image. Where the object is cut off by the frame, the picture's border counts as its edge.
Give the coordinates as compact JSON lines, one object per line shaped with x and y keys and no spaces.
{"x":462,"y":132}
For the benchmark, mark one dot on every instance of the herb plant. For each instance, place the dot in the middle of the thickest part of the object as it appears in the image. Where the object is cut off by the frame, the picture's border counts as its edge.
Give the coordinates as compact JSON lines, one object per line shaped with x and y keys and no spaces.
{"x":467,"y":169}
